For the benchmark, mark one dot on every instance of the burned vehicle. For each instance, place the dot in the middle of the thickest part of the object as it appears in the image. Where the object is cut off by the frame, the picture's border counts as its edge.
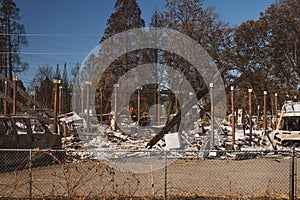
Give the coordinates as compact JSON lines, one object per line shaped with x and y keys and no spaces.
{"x":287,"y":132}
{"x":24,"y":132}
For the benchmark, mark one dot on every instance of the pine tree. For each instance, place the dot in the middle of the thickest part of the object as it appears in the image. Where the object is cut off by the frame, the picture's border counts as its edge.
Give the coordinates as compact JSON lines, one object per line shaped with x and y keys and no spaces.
{"x":11,"y":39}
{"x":66,"y":90}
{"x":127,"y":16}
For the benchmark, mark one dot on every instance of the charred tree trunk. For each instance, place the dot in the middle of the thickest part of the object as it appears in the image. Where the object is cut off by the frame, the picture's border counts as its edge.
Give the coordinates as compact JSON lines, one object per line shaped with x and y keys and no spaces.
{"x":200,"y":94}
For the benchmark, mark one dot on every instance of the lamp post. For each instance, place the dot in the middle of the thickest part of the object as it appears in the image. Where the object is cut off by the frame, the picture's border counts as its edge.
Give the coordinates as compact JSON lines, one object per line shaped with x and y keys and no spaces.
{"x":88,"y":84}
{"x":250,"y":112}
{"x":82,"y":101}
{"x":15,"y":80}
{"x":191,"y":110}
{"x":139,"y":104}
{"x":60,"y":100}
{"x":5,"y":101}
{"x":158,"y":107}
{"x":34,"y":95}
{"x":212,"y":117}
{"x":56,"y":83}
{"x":101,"y":105}
{"x":265,"y":110}
{"x":116,"y":86}
{"x":276,"y":109}
{"x":233,"y":115}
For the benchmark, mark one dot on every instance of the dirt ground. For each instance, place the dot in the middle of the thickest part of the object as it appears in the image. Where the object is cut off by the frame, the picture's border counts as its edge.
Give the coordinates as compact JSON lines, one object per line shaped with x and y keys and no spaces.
{"x":265,"y":176}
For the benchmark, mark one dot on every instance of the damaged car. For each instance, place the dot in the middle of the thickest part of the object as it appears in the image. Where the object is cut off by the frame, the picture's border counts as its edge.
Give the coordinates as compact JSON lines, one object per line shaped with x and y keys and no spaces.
{"x":287,"y":133}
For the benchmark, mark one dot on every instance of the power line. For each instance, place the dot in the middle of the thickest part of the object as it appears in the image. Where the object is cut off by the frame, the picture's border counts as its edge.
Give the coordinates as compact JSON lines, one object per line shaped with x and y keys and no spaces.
{"x":45,"y":53}
{"x":50,"y":34}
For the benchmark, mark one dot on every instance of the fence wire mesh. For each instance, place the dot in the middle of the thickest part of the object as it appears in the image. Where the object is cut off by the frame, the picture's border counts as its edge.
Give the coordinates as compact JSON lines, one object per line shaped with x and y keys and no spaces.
{"x":90,"y":174}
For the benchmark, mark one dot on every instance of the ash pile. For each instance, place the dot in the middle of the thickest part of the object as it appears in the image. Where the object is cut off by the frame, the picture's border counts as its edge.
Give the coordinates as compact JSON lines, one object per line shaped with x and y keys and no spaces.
{"x":105,"y":142}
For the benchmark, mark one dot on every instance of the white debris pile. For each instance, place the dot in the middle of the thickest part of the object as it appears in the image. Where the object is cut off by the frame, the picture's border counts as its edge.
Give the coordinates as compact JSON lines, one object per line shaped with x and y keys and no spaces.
{"x":102,"y":143}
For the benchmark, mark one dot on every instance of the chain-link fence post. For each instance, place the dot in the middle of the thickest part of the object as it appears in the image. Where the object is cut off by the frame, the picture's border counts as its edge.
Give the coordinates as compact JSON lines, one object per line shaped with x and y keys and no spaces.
{"x":166,"y":174}
{"x":292,"y":175}
{"x":30,"y":173}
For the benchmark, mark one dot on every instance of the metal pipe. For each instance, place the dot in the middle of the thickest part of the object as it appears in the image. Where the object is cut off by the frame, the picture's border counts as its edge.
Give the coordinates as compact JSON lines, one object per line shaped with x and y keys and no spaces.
{"x":233,"y":115}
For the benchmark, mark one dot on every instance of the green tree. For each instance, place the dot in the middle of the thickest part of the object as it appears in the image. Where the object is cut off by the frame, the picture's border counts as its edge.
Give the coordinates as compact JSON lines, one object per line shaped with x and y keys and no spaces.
{"x":203,"y":25}
{"x":127,"y":16}
{"x":66,"y":89}
{"x":12,"y":38}
{"x":268,"y":49}
{"x":43,"y":78}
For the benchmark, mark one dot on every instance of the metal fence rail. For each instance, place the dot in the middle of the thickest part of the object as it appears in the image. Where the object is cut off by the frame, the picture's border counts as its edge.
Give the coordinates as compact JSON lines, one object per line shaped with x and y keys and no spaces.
{"x":119,"y":174}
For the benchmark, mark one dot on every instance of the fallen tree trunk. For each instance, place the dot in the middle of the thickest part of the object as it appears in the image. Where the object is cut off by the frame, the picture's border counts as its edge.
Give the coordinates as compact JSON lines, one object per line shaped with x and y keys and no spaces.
{"x":200,"y":94}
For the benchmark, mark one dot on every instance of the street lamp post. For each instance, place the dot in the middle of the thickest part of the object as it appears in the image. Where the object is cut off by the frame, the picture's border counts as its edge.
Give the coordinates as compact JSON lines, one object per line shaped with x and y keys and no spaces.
{"x":250,"y":113}
{"x":56,"y":83}
{"x":5,"y":101}
{"x":60,"y":100}
{"x":233,"y":115}
{"x":88,"y":84}
{"x":15,"y":80}
{"x":34,"y":95}
{"x":139,"y":104}
{"x":116,"y":86}
{"x":276,"y":109}
{"x":212,"y":117}
{"x":265,"y":111}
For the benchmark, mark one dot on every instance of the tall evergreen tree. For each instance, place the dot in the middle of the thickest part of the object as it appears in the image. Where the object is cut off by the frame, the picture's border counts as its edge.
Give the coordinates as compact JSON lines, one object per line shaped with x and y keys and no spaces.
{"x":11,"y":38}
{"x":57,"y":74}
{"x":66,"y":90}
{"x":127,"y":16}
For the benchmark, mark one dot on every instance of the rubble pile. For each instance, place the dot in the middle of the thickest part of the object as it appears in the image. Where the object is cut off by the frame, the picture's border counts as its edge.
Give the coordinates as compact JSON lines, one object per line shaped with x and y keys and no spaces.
{"x":196,"y":142}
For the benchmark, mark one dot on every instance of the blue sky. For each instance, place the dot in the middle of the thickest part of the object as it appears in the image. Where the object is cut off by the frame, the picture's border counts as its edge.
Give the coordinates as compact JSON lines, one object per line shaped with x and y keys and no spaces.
{"x":67,"y":30}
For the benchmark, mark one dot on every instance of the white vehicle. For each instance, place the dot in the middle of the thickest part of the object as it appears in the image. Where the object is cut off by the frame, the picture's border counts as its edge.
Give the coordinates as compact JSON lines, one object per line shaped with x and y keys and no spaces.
{"x":287,"y":132}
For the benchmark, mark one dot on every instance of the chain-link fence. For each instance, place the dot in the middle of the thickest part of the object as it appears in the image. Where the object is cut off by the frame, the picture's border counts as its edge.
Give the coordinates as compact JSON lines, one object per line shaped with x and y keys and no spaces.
{"x":113,"y":174}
